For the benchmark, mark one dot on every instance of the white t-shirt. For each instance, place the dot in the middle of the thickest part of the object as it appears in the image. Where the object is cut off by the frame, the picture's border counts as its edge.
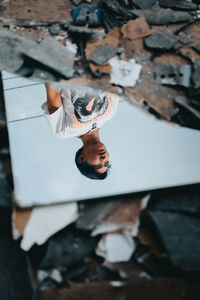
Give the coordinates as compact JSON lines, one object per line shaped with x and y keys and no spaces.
{"x":64,"y":122}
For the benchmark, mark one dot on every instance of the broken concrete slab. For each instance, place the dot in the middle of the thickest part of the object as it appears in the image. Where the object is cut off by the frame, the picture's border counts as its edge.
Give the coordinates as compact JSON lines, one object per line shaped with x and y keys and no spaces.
{"x":163,"y":16}
{"x":196,"y":74}
{"x":53,"y":55}
{"x":161,"y":40}
{"x":49,"y":53}
{"x":184,"y":199}
{"x":11,"y":59}
{"x":145,"y":4}
{"x":180,"y":236}
{"x":103,"y":54}
{"x":178,"y":5}
{"x":68,"y":247}
{"x":173,"y":74}
{"x":15,"y":271}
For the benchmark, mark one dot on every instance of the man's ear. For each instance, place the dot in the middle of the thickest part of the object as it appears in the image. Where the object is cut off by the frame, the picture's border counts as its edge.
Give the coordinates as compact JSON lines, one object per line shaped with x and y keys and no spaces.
{"x":81,"y":158}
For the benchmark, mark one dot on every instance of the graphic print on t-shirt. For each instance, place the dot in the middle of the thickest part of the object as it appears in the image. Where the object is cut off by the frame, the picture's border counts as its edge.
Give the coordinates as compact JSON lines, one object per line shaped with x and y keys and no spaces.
{"x":88,"y":108}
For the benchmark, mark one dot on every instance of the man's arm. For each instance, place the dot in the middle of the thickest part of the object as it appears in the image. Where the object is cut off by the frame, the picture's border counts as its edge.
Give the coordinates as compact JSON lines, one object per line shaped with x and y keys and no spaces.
{"x":53,"y":99}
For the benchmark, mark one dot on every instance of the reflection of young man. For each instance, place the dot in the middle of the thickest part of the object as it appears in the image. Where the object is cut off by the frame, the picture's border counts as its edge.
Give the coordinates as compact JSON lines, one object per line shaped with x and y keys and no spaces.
{"x":72,"y":113}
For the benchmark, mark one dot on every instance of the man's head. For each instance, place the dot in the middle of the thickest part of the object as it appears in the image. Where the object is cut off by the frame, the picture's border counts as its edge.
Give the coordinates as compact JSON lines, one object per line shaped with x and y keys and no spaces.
{"x":93,"y":161}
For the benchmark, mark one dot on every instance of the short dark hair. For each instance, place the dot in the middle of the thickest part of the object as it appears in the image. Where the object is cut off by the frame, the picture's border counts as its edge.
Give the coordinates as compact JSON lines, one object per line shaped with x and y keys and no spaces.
{"x":88,"y":170}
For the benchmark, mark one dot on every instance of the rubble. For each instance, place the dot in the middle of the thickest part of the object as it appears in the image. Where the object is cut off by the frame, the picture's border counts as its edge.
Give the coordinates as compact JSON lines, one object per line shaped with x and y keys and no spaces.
{"x":141,"y":289}
{"x":38,"y":224}
{"x":173,"y":229}
{"x":67,"y":248}
{"x":161,"y":40}
{"x":167,"y":245}
{"x":16,"y":273}
{"x":178,"y":5}
{"x":182,"y":199}
{"x":196,"y":75}
{"x":103,"y":54}
{"x":163,"y":16}
{"x":173,"y":75}
{"x":144,"y":4}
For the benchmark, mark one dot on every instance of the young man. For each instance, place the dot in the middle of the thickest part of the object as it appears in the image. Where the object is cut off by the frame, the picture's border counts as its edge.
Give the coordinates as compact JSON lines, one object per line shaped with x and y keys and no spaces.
{"x":74,"y":113}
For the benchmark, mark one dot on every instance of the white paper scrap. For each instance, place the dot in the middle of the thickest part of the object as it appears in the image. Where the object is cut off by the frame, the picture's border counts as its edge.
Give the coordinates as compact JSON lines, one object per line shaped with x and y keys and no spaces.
{"x":124,"y":73}
{"x":45,"y":221}
{"x":116,"y":247}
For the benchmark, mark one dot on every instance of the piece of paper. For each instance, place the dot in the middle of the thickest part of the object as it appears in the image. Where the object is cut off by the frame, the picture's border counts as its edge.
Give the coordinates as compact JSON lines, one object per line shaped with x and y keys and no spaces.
{"x":45,"y":221}
{"x":116,"y":247}
{"x":124,"y":73}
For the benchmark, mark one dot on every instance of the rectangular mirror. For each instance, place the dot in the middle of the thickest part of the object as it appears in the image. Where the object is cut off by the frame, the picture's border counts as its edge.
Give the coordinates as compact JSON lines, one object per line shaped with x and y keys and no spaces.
{"x":145,"y":153}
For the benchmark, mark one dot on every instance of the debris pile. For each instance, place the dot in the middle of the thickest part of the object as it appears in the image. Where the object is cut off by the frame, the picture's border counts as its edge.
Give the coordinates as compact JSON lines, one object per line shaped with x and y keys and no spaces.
{"x":153,"y":46}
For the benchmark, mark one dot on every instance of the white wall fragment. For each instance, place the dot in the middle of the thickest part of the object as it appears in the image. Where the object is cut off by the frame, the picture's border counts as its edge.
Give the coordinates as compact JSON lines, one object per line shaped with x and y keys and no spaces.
{"x":116,"y":247}
{"x":105,"y":227}
{"x":71,"y":46}
{"x":124,"y":73}
{"x":45,"y":221}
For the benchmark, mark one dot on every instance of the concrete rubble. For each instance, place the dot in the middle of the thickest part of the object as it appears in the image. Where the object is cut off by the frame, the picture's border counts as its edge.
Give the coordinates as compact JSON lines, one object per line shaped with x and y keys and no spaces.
{"x":128,"y":29}
{"x":97,"y":249}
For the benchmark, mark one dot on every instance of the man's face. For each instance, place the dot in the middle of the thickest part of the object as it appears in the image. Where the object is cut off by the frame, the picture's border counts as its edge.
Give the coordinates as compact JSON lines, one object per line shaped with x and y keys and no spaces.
{"x":97,"y":156}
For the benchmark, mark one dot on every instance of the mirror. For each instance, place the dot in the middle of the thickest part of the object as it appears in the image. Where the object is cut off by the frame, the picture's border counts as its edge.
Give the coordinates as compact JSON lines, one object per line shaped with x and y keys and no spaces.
{"x":144,"y":153}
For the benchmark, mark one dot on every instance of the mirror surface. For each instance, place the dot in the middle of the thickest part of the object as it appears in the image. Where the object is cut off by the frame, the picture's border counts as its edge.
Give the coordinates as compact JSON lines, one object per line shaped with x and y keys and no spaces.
{"x":144,"y":153}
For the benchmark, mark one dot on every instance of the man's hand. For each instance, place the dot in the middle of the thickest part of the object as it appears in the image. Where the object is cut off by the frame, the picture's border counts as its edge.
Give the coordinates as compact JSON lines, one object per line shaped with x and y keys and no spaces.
{"x":53,"y":99}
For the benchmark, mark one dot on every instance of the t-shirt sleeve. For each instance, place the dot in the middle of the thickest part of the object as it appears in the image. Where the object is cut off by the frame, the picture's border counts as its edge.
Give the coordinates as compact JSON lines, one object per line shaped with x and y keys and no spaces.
{"x":56,"y":121}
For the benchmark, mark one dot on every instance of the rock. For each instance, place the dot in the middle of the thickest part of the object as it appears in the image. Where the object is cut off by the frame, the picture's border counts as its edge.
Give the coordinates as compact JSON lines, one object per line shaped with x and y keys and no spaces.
{"x":181,"y":199}
{"x":16,"y":278}
{"x":103,"y":54}
{"x":163,"y":16}
{"x":145,"y":4}
{"x":178,"y":5}
{"x":180,"y":235}
{"x":173,"y":74}
{"x":68,"y":248}
{"x":54,"y":29}
{"x":161,"y":40}
{"x":53,"y":55}
{"x":196,"y":74}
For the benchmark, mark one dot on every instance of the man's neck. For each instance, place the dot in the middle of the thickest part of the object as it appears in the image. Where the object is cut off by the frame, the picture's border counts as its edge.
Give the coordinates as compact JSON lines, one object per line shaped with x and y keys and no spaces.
{"x":91,"y":137}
